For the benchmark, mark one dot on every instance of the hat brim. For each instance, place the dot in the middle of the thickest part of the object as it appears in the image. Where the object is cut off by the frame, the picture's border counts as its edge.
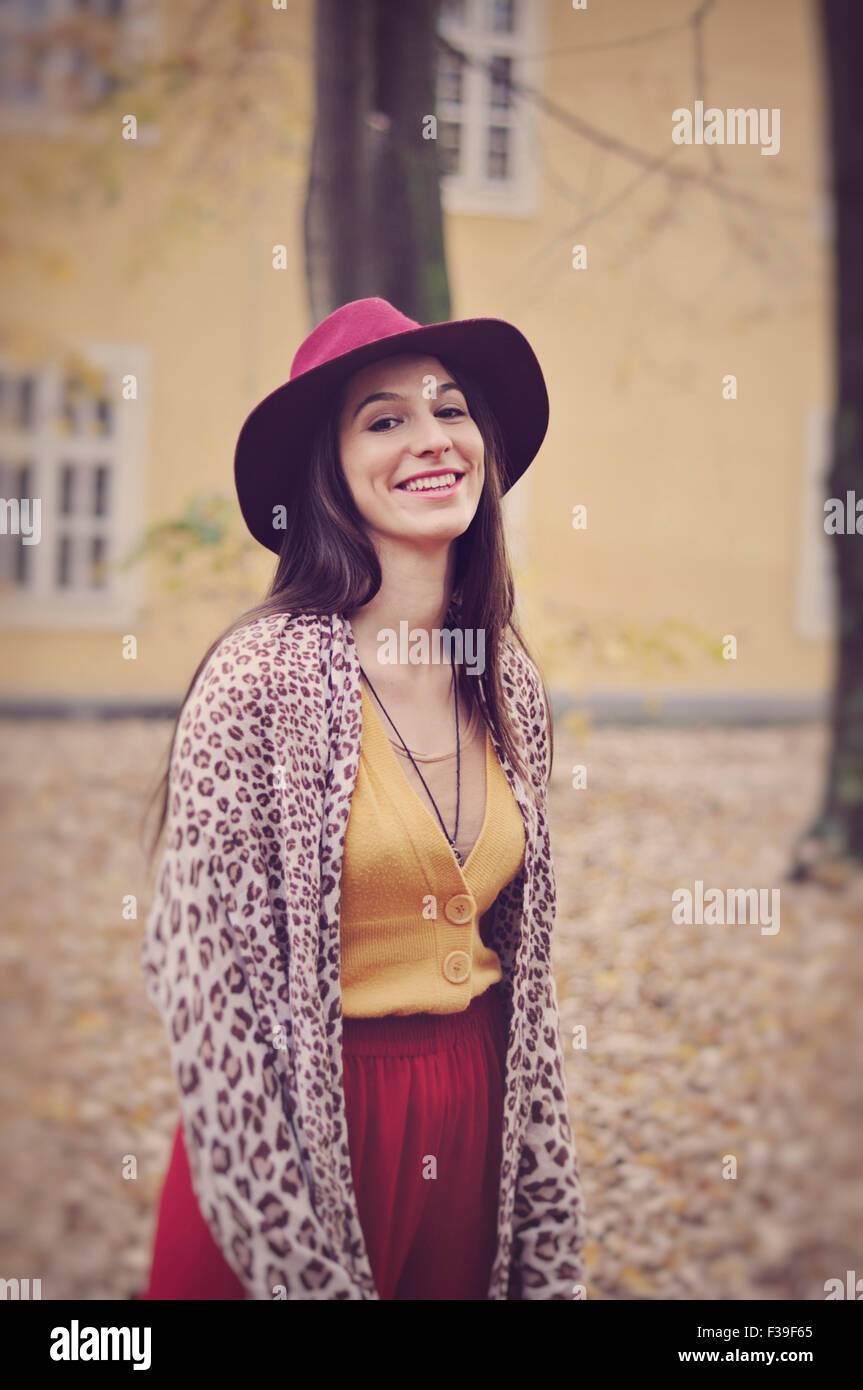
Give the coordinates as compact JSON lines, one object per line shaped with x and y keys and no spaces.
{"x":272,"y":445}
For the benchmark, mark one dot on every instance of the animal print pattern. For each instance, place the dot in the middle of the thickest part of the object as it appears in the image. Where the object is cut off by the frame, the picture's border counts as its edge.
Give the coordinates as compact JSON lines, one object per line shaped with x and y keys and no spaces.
{"x":241,"y":958}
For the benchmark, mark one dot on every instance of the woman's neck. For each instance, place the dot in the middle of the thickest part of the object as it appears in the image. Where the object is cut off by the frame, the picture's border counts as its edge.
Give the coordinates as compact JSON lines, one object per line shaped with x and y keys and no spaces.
{"x":415,"y":589}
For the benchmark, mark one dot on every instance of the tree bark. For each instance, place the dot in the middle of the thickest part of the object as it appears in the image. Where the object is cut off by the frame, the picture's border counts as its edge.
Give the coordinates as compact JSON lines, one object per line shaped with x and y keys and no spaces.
{"x":838,"y":830}
{"x":373,"y":219}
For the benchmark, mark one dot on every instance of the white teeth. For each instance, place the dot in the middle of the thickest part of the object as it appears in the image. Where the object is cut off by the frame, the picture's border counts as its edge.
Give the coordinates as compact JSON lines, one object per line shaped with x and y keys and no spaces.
{"x":430,"y":484}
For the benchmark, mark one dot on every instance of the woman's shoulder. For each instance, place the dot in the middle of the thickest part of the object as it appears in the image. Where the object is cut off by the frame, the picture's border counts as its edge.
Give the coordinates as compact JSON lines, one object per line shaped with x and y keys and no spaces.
{"x":518,"y":668}
{"x":273,"y":641}
{"x":267,"y":656}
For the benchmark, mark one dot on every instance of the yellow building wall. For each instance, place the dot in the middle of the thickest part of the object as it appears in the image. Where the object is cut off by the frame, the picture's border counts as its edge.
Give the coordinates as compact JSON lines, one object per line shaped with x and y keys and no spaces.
{"x":694,"y":502}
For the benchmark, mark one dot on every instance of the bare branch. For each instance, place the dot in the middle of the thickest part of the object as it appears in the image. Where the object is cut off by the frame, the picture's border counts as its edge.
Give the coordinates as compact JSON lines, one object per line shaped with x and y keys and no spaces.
{"x":649,"y":37}
{"x":601,"y":139}
{"x":701,"y":76}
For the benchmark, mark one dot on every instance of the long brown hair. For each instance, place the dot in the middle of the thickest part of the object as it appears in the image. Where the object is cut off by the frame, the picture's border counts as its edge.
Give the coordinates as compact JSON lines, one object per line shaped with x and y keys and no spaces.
{"x":328,"y":564}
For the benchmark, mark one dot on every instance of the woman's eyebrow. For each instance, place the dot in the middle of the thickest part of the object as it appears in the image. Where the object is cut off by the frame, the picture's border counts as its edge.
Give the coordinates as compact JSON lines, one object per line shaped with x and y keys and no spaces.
{"x":377,"y":396}
{"x":394,"y":396}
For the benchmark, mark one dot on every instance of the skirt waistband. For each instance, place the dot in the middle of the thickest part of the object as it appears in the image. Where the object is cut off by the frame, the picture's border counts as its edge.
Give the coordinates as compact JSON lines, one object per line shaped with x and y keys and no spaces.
{"x":411,"y":1035}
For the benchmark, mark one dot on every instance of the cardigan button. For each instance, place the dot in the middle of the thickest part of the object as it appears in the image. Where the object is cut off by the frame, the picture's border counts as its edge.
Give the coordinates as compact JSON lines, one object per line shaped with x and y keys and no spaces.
{"x":457,"y":967}
{"x":459,"y":909}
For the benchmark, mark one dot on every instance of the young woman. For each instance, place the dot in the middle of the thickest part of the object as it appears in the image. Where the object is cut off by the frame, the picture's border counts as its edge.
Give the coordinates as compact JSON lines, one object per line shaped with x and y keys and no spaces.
{"x":349,"y":940}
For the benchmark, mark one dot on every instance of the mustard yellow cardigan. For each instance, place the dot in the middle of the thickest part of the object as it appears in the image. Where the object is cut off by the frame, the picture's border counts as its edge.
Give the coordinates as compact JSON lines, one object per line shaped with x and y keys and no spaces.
{"x":410,"y":914}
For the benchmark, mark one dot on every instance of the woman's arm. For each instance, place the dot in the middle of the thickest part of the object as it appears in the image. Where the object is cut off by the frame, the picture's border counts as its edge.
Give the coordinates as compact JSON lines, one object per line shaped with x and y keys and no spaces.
{"x":210,"y":947}
{"x":547,"y":1260}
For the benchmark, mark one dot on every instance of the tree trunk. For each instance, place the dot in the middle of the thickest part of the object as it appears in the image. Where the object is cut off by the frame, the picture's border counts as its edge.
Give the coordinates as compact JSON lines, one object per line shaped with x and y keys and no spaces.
{"x":837,"y":834}
{"x":373,"y":223}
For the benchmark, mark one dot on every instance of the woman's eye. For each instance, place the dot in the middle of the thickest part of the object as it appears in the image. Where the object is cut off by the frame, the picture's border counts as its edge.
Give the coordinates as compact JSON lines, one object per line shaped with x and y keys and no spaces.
{"x":447,"y":412}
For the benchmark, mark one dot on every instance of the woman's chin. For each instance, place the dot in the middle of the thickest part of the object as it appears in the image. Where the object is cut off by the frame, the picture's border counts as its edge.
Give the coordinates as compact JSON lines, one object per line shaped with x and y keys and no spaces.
{"x":445,"y":526}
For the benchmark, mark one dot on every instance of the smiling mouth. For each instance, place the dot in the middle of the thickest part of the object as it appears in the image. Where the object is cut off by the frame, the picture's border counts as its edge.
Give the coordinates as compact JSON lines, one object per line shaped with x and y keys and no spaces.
{"x":432,"y":483}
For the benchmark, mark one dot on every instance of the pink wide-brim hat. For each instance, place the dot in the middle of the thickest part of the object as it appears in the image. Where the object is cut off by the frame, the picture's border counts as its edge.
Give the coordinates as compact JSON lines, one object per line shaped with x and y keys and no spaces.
{"x":272,"y":449}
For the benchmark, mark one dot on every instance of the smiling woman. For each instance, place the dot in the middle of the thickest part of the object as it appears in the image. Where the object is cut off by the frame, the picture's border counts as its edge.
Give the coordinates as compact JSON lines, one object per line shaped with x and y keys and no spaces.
{"x":406,"y":437}
{"x":350,"y":942}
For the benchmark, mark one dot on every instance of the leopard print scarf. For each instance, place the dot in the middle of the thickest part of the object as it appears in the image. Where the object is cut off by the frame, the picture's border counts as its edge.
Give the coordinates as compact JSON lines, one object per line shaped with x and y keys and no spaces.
{"x":241,"y":959}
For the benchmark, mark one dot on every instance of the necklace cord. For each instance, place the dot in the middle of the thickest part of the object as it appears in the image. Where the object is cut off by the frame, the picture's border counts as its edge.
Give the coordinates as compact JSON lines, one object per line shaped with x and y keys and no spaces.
{"x":450,"y":839}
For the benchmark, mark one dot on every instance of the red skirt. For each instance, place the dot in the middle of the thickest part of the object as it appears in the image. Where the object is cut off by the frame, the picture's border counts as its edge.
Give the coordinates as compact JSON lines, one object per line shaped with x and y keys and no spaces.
{"x":424,"y":1097}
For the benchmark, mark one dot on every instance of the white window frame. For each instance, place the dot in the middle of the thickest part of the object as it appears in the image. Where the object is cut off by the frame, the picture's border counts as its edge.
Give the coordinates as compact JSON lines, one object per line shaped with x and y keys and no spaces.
{"x":42,"y":604}
{"x":471,"y":191}
{"x":817,"y":590}
{"x":139,"y":36}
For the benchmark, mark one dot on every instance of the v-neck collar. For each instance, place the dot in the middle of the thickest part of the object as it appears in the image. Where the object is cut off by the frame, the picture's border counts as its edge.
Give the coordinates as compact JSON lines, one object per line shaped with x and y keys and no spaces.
{"x":382,"y":747}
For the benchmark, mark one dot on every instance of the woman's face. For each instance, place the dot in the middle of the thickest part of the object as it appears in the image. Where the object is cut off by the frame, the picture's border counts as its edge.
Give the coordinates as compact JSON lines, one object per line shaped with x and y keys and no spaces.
{"x":403,"y":428}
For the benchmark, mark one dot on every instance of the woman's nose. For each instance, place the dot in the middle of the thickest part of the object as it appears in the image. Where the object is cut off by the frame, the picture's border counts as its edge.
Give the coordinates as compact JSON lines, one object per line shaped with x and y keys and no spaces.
{"x":429,"y":437}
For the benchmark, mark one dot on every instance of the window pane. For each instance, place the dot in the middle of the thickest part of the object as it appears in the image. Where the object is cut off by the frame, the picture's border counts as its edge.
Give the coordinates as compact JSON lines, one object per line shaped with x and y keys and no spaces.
{"x":450,"y":75}
{"x":104,"y":416}
{"x":100,"y":491}
{"x":22,"y":562}
{"x":453,"y":11}
{"x":497,"y":163}
{"x":449,"y":142}
{"x":64,"y":562}
{"x":26,"y":558}
{"x":8,"y":539}
{"x":25,"y":85}
{"x":26,"y":403}
{"x":18,"y":401}
{"x":98,"y":573}
{"x":67,"y":489}
{"x":500,"y":82}
{"x":16,"y":557}
{"x":27,"y":553}
{"x":71,"y":403}
{"x":502,"y":16}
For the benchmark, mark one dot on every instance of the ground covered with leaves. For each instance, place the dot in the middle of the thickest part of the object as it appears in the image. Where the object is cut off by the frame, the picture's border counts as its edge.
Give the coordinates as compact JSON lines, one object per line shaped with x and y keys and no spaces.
{"x":714,"y":1071}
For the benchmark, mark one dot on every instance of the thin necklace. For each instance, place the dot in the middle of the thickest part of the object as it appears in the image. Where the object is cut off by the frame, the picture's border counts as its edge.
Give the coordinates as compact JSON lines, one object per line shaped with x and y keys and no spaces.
{"x":451,"y":839}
